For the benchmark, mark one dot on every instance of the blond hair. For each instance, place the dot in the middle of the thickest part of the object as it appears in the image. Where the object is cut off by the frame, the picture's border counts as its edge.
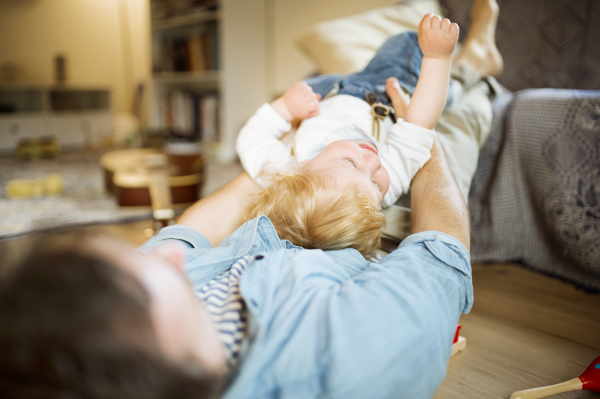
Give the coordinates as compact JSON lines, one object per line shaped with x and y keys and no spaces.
{"x":311,"y":211}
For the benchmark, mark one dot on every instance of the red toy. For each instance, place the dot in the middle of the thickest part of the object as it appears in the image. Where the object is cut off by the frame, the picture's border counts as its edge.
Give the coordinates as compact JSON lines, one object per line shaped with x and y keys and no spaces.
{"x":589,"y":381}
{"x":459,"y":342}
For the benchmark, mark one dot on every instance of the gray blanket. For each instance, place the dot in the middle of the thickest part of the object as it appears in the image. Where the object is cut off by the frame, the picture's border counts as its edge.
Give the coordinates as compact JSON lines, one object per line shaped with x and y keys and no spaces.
{"x":535,"y":197}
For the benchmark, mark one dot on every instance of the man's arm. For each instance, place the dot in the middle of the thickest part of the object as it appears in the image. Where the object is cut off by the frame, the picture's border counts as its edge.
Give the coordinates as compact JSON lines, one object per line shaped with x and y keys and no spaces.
{"x":436,"y":201}
{"x":407,"y":149}
{"x":437,"y":39}
{"x":219,"y":214}
{"x":412,"y":299}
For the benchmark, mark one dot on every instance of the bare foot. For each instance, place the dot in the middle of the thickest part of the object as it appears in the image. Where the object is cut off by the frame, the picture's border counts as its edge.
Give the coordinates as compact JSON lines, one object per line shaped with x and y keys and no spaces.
{"x":399,"y":99}
{"x":479,"y":49}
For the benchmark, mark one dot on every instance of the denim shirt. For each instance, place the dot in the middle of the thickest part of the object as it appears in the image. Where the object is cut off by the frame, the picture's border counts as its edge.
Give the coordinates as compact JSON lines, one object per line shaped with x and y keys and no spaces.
{"x":329,"y":323}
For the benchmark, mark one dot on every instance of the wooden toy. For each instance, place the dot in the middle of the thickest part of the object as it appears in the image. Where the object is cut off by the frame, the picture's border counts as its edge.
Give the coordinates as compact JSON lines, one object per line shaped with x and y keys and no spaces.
{"x":51,"y":185}
{"x":38,"y":147}
{"x":459,"y":342}
{"x":589,"y":380}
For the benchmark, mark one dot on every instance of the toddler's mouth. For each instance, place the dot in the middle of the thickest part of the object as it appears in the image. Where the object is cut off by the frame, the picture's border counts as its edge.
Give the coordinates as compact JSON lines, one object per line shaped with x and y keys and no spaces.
{"x":368,"y":147}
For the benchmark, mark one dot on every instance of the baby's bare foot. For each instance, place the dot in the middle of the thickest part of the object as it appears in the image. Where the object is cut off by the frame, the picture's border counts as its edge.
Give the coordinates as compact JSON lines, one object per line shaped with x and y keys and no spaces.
{"x":479,"y":49}
{"x":399,"y":99}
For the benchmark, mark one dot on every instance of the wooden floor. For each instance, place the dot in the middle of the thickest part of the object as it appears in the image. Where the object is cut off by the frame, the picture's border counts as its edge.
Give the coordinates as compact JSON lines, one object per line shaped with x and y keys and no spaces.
{"x":525,"y":330}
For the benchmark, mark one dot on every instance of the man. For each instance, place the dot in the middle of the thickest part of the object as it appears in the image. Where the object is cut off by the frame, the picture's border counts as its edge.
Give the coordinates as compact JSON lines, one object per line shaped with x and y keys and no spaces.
{"x":91,"y":318}
{"x":101,"y":321}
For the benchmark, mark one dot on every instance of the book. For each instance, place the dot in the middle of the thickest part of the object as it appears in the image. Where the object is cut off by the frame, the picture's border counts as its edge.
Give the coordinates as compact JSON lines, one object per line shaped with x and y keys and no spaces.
{"x":166,"y":55}
{"x":195,"y":49}
{"x":190,"y":114}
{"x":209,"y":117}
{"x":213,"y":33}
{"x":180,"y":55}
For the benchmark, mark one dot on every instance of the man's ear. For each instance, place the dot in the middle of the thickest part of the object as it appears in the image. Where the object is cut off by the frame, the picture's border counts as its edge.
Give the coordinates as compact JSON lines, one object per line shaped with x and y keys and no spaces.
{"x":172,"y":252}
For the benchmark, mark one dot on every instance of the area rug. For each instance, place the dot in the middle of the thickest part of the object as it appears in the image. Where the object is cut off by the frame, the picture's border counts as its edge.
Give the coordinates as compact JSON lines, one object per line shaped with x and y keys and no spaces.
{"x":83,"y":201}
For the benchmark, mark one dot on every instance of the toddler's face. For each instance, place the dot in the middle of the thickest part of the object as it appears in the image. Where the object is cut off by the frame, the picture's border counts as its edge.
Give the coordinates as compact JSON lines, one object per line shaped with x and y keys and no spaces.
{"x":352,"y":162}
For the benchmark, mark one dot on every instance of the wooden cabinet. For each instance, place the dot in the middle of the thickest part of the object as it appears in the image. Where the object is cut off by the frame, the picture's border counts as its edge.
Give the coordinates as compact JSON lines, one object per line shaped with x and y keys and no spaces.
{"x":77,"y":117}
{"x":80,"y":129}
{"x":14,"y":128}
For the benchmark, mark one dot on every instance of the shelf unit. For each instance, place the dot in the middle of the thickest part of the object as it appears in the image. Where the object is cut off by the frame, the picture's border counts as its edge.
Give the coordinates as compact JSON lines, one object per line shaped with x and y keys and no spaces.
{"x":186,"y":75}
{"x":76,"y":116}
{"x":210,"y":79}
{"x":239,"y":82}
{"x":185,"y":20}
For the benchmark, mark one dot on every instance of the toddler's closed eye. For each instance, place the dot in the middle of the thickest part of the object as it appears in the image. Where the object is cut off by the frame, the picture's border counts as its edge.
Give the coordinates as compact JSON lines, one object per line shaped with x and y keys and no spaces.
{"x":377,"y":185}
{"x":351,"y":161}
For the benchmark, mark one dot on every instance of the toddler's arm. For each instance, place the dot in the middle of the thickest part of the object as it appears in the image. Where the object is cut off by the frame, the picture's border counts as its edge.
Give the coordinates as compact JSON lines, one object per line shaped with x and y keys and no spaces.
{"x":408,"y":145}
{"x":258,"y":143}
{"x":437,"y":39}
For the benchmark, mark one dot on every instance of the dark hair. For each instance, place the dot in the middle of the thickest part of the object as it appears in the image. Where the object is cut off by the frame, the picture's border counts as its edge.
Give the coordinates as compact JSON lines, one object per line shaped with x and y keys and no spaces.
{"x":75,"y":326}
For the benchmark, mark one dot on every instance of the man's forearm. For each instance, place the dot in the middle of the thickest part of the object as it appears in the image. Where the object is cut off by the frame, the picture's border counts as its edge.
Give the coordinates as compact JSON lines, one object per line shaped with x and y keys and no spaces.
{"x":219,"y":214}
{"x":437,"y":203}
{"x":430,"y":95}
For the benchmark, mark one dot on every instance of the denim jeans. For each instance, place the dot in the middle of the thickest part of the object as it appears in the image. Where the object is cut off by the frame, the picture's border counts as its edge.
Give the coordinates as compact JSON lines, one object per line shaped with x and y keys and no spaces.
{"x":400,"y":56}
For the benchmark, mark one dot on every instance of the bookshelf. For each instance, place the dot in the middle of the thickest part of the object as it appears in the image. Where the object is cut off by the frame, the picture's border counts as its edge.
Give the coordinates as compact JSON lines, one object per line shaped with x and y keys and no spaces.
{"x":209,"y":69}
{"x":163,"y":23}
{"x":208,"y":78}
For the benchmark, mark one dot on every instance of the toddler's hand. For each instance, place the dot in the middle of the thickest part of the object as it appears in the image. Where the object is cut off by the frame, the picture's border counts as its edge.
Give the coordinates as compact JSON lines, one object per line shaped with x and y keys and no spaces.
{"x":437,"y":36}
{"x":301,"y":101}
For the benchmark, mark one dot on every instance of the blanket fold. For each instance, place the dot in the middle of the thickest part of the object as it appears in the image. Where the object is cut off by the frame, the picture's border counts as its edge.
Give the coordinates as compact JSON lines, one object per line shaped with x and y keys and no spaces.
{"x":535,"y":197}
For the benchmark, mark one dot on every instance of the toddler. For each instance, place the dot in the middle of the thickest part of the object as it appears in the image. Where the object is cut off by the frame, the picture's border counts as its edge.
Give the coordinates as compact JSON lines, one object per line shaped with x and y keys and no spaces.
{"x":337,"y":174}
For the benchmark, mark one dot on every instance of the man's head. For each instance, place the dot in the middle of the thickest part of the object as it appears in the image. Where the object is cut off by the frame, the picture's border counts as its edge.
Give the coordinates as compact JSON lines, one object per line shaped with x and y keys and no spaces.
{"x":316,"y":211}
{"x":352,"y":162}
{"x":90,"y":318}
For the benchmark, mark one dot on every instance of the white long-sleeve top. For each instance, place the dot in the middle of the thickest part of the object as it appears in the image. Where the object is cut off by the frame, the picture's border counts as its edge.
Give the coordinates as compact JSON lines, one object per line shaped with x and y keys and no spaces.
{"x":403,"y":147}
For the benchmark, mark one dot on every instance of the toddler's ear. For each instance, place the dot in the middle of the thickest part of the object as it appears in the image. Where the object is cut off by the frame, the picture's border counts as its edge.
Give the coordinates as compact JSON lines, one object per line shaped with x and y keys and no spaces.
{"x":301,"y":164}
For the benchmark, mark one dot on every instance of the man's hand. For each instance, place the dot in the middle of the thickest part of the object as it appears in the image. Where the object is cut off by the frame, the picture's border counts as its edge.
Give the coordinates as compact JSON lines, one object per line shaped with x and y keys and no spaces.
{"x":299,"y":102}
{"x":398,"y":98}
{"x":437,"y":37}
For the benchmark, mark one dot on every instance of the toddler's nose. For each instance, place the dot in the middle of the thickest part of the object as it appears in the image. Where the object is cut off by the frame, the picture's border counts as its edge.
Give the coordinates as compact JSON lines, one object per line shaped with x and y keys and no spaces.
{"x":372,"y":162}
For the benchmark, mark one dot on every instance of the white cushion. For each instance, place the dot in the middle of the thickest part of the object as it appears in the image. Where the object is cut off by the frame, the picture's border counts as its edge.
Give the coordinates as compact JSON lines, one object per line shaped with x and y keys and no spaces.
{"x":346,"y":45}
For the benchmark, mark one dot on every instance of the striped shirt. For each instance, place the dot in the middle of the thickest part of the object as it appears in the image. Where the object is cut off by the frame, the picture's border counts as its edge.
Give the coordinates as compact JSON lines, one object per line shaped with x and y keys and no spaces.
{"x":227,"y":309}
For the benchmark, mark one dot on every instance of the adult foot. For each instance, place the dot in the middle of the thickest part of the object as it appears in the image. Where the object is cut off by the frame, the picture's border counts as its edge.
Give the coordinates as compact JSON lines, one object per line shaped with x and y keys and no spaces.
{"x":399,"y":99}
{"x":479,"y":49}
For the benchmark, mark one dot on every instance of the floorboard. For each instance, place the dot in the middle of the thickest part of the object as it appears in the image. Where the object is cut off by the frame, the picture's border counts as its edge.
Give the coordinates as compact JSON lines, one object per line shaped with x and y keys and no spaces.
{"x":525,"y":330}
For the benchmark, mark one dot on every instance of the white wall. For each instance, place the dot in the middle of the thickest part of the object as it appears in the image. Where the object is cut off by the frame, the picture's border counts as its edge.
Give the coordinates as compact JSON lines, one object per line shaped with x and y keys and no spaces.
{"x":288,"y":19}
{"x":244,"y":77}
{"x":89,"y":32}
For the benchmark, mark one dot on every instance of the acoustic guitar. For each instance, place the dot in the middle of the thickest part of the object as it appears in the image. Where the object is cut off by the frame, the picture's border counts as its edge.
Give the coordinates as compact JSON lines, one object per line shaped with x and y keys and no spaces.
{"x":127,"y":176}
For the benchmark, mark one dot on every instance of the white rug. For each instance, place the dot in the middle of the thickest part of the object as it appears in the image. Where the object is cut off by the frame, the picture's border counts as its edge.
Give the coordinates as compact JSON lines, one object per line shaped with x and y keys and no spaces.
{"x":84,"y":200}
